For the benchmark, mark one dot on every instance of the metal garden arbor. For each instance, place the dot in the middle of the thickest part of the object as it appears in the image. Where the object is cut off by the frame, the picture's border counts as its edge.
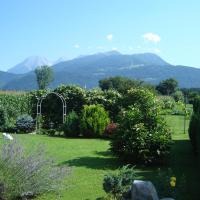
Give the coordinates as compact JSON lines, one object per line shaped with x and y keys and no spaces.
{"x":39,"y":106}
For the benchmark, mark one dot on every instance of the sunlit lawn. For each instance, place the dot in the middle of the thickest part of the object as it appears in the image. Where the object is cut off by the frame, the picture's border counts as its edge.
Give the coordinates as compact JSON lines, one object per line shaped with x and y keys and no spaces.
{"x":90,"y":160}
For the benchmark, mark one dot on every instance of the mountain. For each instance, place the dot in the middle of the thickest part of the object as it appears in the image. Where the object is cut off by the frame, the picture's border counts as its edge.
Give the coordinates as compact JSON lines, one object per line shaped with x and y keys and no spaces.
{"x":29,"y":64}
{"x":88,"y":70}
{"x":6,"y":77}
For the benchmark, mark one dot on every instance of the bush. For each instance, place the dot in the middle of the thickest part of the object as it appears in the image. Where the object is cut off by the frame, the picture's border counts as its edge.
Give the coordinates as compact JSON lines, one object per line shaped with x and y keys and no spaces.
{"x":25,"y":175}
{"x":3,"y":118}
{"x":110,"y":99}
{"x":14,"y":104}
{"x":167,"y":102}
{"x":194,"y":126}
{"x":117,"y":185}
{"x":71,"y":127}
{"x":141,"y":138}
{"x":25,"y":124}
{"x":178,"y":96}
{"x":94,"y":120}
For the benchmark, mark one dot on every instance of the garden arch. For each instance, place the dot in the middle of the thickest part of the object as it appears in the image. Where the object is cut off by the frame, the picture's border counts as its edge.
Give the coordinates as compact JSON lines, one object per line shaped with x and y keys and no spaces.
{"x":39,"y":105}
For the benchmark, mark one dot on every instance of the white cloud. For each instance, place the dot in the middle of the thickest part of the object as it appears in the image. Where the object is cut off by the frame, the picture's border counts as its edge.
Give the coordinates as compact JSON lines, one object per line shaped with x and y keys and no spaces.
{"x":77,"y":46}
{"x":109,"y":37}
{"x":114,"y":49}
{"x":152,"y":37}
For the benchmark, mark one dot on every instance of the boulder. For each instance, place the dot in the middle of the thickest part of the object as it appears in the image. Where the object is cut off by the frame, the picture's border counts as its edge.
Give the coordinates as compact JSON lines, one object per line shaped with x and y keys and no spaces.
{"x":167,"y":199}
{"x":143,"y":190}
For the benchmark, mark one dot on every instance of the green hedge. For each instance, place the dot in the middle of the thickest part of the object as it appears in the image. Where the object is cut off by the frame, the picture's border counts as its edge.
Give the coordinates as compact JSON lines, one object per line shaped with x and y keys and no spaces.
{"x":14,"y":105}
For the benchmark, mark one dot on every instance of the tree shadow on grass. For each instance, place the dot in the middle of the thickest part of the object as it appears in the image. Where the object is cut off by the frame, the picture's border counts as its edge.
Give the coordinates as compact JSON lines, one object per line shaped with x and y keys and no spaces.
{"x":93,"y":163}
{"x":104,"y":153}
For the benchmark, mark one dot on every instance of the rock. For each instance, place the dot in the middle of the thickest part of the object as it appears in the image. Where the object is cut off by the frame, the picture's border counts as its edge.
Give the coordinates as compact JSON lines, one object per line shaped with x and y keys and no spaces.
{"x":143,"y":190}
{"x":167,"y":199}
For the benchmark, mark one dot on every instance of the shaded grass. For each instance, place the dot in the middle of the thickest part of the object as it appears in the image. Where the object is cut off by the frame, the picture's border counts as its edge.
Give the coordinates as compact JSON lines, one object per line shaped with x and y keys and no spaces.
{"x":91,"y":159}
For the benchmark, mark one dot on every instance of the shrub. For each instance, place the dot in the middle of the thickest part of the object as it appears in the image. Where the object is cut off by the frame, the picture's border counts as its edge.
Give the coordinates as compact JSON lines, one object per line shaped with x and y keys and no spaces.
{"x":110,"y":99}
{"x":94,"y":120}
{"x":3,"y":118}
{"x":194,"y":126}
{"x":167,"y":102}
{"x":71,"y":127}
{"x":25,"y":123}
{"x":141,"y":138}
{"x":178,"y":96}
{"x":25,"y":175}
{"x":117,"y":185}
{"x":14,"y":104}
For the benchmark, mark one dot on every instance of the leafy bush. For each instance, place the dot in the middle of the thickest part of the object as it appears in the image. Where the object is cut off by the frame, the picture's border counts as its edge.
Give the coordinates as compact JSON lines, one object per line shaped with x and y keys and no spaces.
{"x":25,"y":123}
{"x":14,"y":105}
{"x":3,"y":118}
{"x":178,"y":96}
{"x":142,"y":135}
{"x":167,"y":102}
{"x":117,"y":185}
{"x":94,"y":120}
{"x":25,"y":175}
{"x":71,"y":127}
{"x":110,"y":99}
{"x":194,"y":126}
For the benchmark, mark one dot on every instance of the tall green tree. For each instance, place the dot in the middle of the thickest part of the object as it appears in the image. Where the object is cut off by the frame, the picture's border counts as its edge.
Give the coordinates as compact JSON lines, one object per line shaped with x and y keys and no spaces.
{"x":167,"y":87}
{"x":44,"y":76}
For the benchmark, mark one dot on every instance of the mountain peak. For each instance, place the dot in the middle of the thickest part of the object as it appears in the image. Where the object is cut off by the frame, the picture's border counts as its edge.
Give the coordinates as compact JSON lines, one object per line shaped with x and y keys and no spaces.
{"x":113,"y":52}
{"x":29,"y":64}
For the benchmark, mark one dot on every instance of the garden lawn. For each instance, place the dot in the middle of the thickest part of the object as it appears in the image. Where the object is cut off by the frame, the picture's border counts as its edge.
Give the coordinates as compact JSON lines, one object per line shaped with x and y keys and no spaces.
{"x":90,"y":160}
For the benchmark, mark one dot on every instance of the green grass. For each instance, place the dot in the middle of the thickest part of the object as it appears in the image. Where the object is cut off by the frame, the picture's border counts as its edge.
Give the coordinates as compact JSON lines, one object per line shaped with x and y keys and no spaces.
{"x":90,"y":160}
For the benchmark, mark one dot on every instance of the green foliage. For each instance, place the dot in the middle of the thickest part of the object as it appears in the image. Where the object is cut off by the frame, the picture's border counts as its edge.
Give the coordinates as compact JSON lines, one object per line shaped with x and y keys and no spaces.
{"x":194,"y":127}
{"x":121,"y":84}
{"x":25,"y":124}
{"x":117,"y":184}
{"x":142,"y":135}
{"x":75,"y":97}
{"x":110,"y":99}
{"x":94,"y":120}
{"x":3,"y":118}
{"x":14,"y":105}
{"x":44,"y":76}
{"x":178,"y":96}
{"x":71,"y":127}
{"x":167,"y":87}
{"x":23,"y":176}
{"x":167,"y":104}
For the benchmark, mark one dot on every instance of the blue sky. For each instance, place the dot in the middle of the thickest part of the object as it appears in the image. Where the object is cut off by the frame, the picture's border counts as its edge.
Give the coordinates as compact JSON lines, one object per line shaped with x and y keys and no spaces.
{"x":69,"y":28}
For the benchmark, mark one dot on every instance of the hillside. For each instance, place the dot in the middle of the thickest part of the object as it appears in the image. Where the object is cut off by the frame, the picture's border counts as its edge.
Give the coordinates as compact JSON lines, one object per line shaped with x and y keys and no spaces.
{"x":88,"y":70}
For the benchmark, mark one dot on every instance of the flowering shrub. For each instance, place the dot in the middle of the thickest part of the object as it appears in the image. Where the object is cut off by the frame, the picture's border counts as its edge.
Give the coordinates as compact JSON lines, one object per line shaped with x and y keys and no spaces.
{"x":169,"y":185}
{"x":142,"y":134}
{"x":27,"y":175}
{"x":110,"y":129}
